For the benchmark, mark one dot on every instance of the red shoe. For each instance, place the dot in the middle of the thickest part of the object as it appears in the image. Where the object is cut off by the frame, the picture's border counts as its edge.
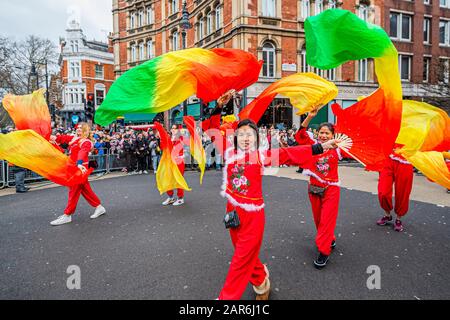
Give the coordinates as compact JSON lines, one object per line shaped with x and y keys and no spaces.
{"x":384,"y":220}
{"x":398,"y":226}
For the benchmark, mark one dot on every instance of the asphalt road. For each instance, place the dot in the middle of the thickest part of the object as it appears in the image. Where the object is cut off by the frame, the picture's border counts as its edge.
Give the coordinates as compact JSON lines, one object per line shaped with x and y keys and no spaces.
{"x":142,"y":250}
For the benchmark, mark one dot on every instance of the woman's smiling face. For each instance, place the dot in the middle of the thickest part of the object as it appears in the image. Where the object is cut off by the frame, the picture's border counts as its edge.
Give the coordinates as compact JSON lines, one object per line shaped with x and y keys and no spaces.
{"x":246,"y":138}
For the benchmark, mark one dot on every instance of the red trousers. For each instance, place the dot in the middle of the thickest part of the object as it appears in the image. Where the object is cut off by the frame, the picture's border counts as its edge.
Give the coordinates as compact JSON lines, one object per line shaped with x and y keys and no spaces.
{"x":325,"y":211}
{"x":245,"y":265}
{"x":180,"y":192}
{"x":74,"y":195}
{"x":401,"y":176}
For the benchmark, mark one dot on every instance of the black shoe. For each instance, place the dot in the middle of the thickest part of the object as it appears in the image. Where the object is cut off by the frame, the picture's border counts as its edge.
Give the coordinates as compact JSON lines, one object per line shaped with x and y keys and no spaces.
{"x":321,"y":261}
{"x":21,"y":190}
{"x":333,"y":245}
{"x":299,"y":171}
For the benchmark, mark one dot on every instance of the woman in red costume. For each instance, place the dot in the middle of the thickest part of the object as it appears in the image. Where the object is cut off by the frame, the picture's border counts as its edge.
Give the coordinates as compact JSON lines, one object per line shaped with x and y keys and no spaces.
{"x":396,"y":174}
{"x":323,"y":188}
{"x":178,"y":150}
{"x":242,"y":187}
{"x":79,"y":149}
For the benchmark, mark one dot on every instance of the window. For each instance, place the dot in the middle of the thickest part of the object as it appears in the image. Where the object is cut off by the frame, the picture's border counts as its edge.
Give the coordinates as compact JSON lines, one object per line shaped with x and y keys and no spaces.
{"x":99,"y":71}
{"x":218,"y":17}
{"x":426,"y":30}
{"x":173,"y":6}
{"x":175,"y":41}
{"x":140,"y":18}
{"x":444,"y":70}
{"x":405,"y":67}
{"x":133,"y":53}
{"x":305,"y":66}
{"x":209,"y":23}
{"x":306,"y":9}
{"x":269,"y":8}
{"x":331,"y":74}
{"x":400,"y":26}
{"x":444,"y":32}
{"x":427,"y":1}
{"x":150,"y":54}
{"x":332,"y":4}
{"x":444,"y":3}
{"x":150,"y":15}
{"x":132,"y":20}
{"x":426,"y":69}
{"x":141,"y":51}
{"x":201,"y":28}
{"x":362,"y":70}
{"x":319,"y":6}
{"x":363,"y":12}
{"x":74,"y":45}
{"x":269,"y":60}
{"x":75,"y":70}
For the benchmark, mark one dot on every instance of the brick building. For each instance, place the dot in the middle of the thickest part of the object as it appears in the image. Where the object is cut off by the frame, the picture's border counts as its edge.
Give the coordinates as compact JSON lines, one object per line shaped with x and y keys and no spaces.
{"x":273,"y":31}
{"x":87,"y":67}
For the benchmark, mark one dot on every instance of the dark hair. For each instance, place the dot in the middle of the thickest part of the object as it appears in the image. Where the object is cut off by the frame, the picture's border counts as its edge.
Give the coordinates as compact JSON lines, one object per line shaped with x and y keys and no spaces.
{"x":251,"y":124}
{"x":330,"y":126}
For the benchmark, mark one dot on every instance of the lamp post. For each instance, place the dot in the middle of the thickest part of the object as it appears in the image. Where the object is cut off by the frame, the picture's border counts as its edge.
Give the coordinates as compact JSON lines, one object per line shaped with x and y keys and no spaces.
{"x":185,"y":25}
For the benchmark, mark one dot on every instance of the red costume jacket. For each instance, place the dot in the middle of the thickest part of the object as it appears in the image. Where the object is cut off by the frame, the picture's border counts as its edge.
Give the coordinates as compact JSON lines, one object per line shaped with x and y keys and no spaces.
{"x":323,"y":170}
{"x":79,"y":149}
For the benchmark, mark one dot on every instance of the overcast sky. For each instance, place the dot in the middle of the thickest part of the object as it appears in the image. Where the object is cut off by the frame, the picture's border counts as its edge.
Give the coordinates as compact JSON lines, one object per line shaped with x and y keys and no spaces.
{"x":49,"y":18}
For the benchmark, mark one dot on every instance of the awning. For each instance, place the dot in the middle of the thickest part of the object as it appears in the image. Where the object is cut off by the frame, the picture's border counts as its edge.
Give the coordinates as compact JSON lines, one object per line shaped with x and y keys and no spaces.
{"x":139,"y":117}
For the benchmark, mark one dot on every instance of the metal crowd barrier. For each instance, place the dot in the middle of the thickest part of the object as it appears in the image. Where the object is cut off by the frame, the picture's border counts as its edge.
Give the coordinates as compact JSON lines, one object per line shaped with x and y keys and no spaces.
{"x":2,"y":174}
{"x":116,"y":162}
{"x":30,"y":177}
{"x":102,"y":162}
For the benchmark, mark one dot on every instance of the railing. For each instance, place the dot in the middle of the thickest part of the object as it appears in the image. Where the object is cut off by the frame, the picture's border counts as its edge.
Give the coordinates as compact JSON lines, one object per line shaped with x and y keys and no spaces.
{"x":2,"y":174}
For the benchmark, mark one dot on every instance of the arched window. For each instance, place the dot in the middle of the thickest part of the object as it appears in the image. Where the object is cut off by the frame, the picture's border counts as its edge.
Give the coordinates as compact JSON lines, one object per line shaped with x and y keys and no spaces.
{"x":175,"y":41}
{"x":363,"y":12}
{"x":269,"y":56}
{"x":141,"y":51}
{"x":218,"y":17}
{"x":209,"y":23}
{"x":133,"y":53}
{"x":332,"y":4}
{"x":150,"y":54}
{"x":150,"y":15}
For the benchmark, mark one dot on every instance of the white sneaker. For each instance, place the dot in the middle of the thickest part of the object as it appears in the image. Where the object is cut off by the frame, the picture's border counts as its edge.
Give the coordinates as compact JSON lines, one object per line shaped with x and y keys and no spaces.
{"x":145,"y":171}
{"x":98,"y":212}
{"x":61,"y":220}
{"x":179,"y":202}
{"x":140,"y":172}
{"x":168,"y":201}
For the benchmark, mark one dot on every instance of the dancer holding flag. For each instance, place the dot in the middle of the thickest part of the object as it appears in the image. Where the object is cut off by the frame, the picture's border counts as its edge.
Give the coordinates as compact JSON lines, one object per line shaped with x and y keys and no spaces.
{"x":79,"y":148}
{"x":323,"y":188}
{"x":242,"y":188}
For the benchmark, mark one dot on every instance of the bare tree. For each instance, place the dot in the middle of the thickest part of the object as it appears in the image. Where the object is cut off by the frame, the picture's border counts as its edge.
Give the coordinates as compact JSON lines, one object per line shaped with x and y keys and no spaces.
{"x":19,"y":58}
{"x":437,"y":92}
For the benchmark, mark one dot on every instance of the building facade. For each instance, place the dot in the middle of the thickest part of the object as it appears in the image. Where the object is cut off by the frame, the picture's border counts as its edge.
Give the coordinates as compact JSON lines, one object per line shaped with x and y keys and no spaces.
{"x":273,"y":30}
{"x":87,"y":67}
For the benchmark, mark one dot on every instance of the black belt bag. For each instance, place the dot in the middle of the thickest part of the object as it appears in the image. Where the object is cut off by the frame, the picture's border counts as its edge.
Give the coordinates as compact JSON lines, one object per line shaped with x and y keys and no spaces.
{"x":316,"y":190}
{"x":231,"y":220}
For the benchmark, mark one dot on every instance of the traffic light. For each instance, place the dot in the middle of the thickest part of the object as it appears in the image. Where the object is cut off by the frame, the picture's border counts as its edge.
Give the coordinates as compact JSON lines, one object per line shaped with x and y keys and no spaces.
{"x":90,"y":107}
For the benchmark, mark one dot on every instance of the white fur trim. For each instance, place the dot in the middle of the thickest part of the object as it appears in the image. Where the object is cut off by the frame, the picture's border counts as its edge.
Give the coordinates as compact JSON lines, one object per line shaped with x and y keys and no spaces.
{"x":309,"y":173}
{"x":263,"y":288}
{"x":245,"y":206}
{"x":398,"y":159}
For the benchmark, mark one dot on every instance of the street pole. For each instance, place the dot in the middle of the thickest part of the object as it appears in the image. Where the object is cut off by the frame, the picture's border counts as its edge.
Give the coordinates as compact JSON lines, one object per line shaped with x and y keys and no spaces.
{"x":185,"y":25}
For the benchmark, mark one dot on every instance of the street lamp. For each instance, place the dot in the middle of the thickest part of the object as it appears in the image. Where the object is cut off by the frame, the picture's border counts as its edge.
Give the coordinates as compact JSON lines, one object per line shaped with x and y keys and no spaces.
{"x":185,"y":25}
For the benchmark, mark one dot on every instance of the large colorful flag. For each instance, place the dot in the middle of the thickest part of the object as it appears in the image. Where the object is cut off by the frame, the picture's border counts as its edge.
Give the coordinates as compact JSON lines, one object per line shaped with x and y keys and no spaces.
{"x":29,"y":112}
{"x":165,"y":81}
{"x":336,"y":36}
{"x":168,"y":176}
{"x":305,"y":91}
{"x":27,"y":149}
{"x":364,"y":122}
{"x":196,"y":146}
